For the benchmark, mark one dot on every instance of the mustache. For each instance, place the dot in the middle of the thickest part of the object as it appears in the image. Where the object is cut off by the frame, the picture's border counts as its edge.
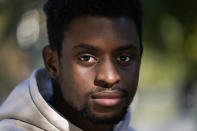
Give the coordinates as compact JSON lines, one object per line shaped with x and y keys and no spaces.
{"x":116,"y":88}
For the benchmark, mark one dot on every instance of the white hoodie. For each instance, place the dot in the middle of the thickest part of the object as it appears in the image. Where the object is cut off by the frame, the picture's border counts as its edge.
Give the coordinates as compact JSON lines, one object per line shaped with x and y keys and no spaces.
{"x":26,"y":108}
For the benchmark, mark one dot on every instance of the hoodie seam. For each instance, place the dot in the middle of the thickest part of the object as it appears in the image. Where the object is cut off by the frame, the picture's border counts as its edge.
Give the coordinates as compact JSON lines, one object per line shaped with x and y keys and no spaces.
{"x":38,"y":108}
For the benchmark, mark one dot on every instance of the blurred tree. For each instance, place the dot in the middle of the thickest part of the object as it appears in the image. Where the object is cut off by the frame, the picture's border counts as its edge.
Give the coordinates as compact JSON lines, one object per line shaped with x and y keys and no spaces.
{"x":10,"y":14}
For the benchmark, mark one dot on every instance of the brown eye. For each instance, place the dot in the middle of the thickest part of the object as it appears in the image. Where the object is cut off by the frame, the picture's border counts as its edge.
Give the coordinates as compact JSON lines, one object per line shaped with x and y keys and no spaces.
{"x":87,"y":60}
{"x":124,"y":59}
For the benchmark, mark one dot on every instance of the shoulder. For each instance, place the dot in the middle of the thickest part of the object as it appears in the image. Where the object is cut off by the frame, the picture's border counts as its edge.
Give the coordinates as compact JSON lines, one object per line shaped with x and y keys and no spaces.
{"x":130,"y":129}
{"x":17,"y":125}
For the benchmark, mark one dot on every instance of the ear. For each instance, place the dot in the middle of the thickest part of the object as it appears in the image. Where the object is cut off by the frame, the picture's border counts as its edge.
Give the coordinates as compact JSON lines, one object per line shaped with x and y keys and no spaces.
{"x":50,"y":57}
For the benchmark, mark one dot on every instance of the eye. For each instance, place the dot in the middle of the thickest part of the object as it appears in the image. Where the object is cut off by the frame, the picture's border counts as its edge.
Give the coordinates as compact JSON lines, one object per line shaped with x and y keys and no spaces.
{"x":124,"y":60}
{"x":87,"y":60}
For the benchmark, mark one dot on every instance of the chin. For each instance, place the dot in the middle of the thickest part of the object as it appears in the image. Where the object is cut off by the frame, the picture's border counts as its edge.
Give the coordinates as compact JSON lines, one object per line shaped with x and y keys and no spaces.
{"x":106,"y":118}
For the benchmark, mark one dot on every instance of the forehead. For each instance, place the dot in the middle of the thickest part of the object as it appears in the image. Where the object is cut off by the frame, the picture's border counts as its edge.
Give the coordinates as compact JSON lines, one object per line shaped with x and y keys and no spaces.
{"x":101,"y":30}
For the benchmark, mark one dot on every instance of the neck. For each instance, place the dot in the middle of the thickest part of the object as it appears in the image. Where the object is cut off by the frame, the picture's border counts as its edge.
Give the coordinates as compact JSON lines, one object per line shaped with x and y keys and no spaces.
{"x":73,"y":115}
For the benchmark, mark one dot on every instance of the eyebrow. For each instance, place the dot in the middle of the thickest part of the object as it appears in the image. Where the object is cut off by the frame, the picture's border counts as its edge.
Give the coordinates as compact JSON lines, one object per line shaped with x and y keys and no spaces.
{"x":127,"y":47}
{"x":85,"y":46}
{"x":95,"y":48}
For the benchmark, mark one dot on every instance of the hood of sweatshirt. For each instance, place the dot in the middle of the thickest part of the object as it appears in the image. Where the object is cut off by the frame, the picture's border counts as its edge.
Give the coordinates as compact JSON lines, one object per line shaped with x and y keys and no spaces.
{"x":28,"y":103}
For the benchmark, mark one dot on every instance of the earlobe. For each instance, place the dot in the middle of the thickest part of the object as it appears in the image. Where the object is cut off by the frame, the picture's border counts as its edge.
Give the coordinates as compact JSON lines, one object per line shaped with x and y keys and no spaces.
{"x":51,"y":61}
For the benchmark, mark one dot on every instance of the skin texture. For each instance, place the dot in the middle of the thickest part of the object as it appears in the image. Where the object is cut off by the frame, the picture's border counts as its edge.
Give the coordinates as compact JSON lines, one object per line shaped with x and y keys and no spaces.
{"x":97,"y":72}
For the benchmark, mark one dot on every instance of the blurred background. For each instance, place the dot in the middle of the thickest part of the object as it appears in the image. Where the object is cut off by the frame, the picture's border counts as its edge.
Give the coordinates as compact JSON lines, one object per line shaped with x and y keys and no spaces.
{"x":167,"y":96}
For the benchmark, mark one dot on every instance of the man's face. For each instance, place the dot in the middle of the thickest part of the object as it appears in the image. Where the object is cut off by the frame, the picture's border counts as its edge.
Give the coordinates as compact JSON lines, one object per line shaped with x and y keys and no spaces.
{"x":99,"y":68}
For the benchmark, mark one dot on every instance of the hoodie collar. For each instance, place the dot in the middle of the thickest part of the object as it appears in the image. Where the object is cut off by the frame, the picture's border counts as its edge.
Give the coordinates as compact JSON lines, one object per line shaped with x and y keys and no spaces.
{"x":41,"y":91}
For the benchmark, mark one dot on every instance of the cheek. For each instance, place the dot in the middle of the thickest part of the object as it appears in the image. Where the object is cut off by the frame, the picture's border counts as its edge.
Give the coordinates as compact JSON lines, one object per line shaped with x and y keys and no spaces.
{"x":76,"y":84}
{"x":84,"y":78}
{"x":130,"y":79}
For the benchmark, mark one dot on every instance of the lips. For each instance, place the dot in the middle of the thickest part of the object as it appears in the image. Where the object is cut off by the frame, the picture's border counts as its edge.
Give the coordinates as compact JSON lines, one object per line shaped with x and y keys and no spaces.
{"x":108,"y":98}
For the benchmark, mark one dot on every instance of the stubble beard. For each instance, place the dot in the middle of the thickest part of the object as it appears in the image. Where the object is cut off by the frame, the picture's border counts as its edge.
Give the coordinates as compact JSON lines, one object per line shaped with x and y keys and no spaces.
{"x":87,"y":114}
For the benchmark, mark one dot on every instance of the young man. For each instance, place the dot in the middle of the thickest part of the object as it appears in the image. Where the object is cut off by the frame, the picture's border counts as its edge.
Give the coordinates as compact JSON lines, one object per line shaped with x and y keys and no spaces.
{"x":91,"y":70}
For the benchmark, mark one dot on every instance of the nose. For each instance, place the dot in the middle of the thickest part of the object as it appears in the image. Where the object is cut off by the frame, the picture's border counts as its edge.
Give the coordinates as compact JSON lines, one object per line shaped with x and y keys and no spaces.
{"x":107,"y":75}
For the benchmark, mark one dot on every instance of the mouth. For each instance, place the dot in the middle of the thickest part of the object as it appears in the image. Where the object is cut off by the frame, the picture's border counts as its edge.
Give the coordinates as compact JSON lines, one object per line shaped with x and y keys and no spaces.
{"x":108,"y":98}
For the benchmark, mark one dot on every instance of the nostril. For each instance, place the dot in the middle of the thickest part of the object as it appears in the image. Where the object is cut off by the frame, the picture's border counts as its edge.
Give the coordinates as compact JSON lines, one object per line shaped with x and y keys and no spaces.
{"x":101,"y":83}
{"x":104,"y":84}
{"x":117,"y":81}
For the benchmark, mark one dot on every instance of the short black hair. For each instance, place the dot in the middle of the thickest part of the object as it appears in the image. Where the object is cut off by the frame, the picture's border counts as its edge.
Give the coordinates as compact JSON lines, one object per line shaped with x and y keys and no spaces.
{"x":60,"y":13}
